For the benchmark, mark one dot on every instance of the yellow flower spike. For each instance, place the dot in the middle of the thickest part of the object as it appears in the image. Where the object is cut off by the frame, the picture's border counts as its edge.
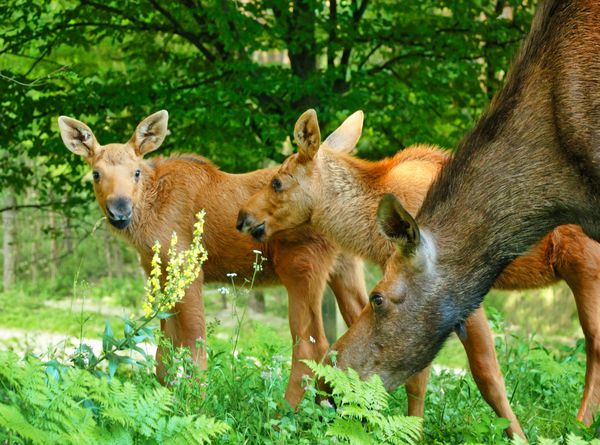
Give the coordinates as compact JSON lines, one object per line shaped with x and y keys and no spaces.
{"x":181,"y":270}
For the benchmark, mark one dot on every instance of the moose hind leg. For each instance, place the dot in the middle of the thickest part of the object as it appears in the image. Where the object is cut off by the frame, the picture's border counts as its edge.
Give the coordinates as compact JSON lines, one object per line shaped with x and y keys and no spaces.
{"x":577,"y":261}
{"x":347,"y":281}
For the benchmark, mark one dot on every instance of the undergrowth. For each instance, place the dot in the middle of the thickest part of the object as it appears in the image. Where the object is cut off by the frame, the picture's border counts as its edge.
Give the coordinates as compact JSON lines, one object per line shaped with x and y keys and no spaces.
{"x":112,"y":396}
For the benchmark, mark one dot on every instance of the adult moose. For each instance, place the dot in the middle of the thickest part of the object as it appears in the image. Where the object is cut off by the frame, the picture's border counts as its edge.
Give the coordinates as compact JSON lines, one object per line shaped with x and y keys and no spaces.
{"x":338,"y":195}
{"x":146,"y":200}
{"x":531,"y":163}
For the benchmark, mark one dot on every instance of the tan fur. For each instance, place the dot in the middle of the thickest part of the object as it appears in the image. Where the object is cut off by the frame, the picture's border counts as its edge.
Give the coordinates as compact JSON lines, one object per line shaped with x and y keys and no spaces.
{"x":338,"y":195}
{"x":170,"y":191}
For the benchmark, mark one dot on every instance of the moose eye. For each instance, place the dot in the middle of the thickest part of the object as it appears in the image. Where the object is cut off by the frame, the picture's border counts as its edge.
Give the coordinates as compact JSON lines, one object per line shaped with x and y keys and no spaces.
{"x":137,"y":174}
{"x":376,"y":299}
{"x":96,"y":175}
{"x":276,"y":184}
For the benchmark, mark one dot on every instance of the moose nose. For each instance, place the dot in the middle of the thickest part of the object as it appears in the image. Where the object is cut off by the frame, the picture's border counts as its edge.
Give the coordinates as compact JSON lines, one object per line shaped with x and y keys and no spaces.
{"x":119,"y":211}
{"x":240,"y":225}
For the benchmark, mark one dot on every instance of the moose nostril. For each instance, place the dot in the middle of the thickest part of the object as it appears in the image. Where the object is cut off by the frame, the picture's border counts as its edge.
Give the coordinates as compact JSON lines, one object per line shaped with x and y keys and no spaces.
{"x":258,"y":232}
{"x":110,"y":213}
{"x":241,"y":221}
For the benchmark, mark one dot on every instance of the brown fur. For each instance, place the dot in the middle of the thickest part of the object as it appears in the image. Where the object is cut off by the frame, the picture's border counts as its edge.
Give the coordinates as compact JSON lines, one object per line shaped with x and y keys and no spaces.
{"x":531,"y":164}
{"x":167,"y":195}
{"x":340,"y":195}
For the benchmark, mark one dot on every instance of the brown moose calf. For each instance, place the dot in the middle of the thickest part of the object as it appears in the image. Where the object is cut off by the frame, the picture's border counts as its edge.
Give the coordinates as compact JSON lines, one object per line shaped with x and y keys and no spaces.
{"x":147,"y":200}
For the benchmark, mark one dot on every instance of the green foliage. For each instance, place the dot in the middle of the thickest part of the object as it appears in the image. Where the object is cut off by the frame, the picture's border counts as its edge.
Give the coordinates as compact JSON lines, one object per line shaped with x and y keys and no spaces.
{"x":246,"y":379}
{"x":237,"y":74}
{"x":571,"y":439}
{"x":75,"y":407}
{"x":361,"y":408}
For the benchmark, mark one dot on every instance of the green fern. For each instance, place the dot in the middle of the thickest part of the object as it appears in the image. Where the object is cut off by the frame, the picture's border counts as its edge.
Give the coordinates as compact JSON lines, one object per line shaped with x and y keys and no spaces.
{"x":363,"y":415}
{"x":571,"y":439}
{"x":81,"y":408}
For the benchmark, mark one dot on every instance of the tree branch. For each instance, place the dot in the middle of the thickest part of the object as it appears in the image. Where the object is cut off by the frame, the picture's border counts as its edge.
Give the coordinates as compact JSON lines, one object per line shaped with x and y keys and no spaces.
{"x":36,"y":81}
{"x":179,"y":29}
{"x":32,"y":206}
{"x":145,"y":26}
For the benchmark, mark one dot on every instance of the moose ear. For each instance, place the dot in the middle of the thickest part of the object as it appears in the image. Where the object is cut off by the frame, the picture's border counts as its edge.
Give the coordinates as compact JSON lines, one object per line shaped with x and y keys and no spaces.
{"x":77,"y":136}
{"x":346,"y":136}
{"x":307,"y":135}
{"x":150,"y":133}
{"x":397,"y":224}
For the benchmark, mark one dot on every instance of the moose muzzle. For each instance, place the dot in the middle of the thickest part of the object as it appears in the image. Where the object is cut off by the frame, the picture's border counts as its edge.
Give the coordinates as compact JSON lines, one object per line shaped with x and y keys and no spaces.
{"x":246,"y":224}
{"x":119,"y":211}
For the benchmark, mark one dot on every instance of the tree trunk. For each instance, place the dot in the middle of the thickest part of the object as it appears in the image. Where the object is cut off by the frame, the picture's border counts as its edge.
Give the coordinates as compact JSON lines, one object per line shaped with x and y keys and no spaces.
{"x":9,"y":241}
{"x":34,"y":258}
{"x":35,"y":240}
{"x":330,"y":315}
{"x":257,"y":301}
{"x":68,"y":234}
{"x":302,"y":48}
{"x":117,"y":255}
{"x":108,"y":254}
{"x":54,"y":249}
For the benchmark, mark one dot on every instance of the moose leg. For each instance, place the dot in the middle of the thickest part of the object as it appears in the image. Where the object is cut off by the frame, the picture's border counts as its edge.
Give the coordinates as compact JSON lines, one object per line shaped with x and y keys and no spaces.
{"x":347,"y":281}
{"x":588,"y":306}
{"x":583,"y":277}
{"x":303,"y":270}
{"x":186,"y":328}
{"x":308,"y":335}
{"x":479,"y":346}
{"x":576,"y":259}
{"x":416,"y":387}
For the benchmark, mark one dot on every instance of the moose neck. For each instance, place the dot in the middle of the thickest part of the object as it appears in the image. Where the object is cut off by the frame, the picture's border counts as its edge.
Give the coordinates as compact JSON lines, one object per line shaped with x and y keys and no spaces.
{"x":347,"y":205}
{"x":513,"y":179}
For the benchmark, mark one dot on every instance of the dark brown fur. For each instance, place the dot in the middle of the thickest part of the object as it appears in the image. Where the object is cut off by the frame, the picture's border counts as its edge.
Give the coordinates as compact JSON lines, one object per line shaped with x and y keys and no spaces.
{"x":532,"y":163}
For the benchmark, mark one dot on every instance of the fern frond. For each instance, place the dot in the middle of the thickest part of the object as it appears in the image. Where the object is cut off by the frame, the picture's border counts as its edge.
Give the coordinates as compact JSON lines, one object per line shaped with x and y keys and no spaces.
{"x":12,"y":419}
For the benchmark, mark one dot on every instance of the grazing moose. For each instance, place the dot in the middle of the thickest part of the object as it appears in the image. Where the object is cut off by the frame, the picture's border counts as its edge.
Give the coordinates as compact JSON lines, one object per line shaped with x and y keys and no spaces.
{"x":532,"y":163}
{"x":146,"y":200}
{"x":338,"y":195}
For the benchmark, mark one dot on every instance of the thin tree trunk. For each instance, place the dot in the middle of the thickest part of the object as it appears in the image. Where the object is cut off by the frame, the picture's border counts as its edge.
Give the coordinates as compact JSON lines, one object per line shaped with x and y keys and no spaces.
{"x":9,"y":241}
{"x":257,"y":301}
{"x":35,"y":240}
{"x":34,"y":257}
{"x":108,"y":254}
{"x":68,"y":234}
{"x":330,"y":315}
{"x":117,"y":254}
{"x":54,"y":249}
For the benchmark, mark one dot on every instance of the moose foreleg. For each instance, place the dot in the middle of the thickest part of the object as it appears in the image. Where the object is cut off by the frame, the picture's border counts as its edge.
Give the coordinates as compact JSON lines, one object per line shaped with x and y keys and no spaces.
{"x":416,"y":387}
{"x":186,"y":328}
{"x":479,"y":345}
{"x":306,"y":324}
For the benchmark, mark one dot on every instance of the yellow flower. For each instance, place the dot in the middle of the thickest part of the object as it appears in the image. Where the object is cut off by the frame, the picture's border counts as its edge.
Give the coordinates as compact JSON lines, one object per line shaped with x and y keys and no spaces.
{"x":183,"y":267}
